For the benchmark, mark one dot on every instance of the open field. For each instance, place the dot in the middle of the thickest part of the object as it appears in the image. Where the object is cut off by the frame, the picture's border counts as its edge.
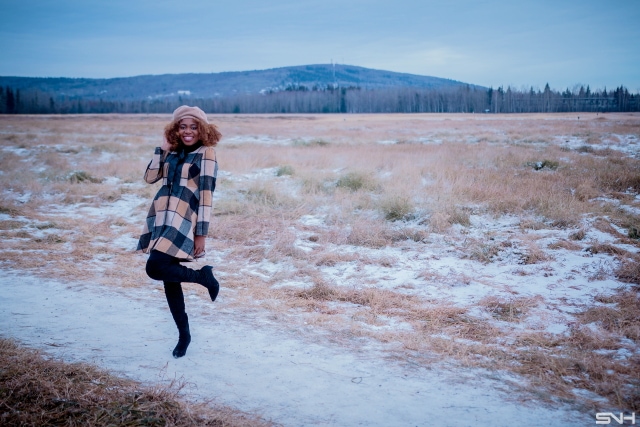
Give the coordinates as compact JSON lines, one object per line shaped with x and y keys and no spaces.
{"x":508,"y":243}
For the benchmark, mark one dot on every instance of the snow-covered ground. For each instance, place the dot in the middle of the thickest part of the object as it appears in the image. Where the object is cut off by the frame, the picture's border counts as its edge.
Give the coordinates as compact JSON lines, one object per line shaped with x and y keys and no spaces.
{"x":290,"y":377}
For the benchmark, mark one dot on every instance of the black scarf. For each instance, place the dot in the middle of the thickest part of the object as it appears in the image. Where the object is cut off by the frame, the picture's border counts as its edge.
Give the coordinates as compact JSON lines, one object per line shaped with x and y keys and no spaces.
{"x":174,"y":164}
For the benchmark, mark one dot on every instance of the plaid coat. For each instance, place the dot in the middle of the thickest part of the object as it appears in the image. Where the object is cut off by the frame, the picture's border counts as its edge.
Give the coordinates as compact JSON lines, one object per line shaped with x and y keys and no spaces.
{"x":182,"y":207}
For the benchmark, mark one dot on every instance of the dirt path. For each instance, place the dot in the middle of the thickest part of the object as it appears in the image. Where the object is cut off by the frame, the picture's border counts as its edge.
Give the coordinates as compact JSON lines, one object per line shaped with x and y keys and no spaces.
{"x":292,"y":378}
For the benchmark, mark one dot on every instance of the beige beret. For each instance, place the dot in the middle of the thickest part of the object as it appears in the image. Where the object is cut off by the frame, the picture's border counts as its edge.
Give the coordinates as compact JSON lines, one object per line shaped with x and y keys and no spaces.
{"x":185,"y":111}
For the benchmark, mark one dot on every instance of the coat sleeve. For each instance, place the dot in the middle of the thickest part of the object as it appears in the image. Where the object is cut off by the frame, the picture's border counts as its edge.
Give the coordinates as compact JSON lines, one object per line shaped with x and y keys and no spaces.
{"x":155,"y":168}
{"x":207,"y":185}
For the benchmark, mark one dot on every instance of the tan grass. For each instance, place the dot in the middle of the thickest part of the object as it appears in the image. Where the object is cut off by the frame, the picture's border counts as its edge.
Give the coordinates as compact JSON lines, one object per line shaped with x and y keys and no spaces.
{"x":509,"y":310}
{"x":622,"y":319}
{"x":482,"y":250}
{"x":369,"y":233}
{"x":366,"y":196}
{"x":35,"y":390}
{"x":397,"y":208}
{"x":578,"y":235}
{"x":606,"y":227}
{"x":330,"y":259}
{"x":629,"y":270}
{"x":607,"y":249}
{"x":354,"y":181}
{"x":565,"y":244}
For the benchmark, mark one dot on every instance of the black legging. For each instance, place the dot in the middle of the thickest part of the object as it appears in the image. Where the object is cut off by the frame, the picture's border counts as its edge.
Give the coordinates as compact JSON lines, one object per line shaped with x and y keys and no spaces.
{"x":161,"y":266}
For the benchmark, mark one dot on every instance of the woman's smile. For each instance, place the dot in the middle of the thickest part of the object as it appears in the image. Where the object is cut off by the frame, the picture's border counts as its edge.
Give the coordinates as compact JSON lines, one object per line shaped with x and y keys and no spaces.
{"x":188,"y":131}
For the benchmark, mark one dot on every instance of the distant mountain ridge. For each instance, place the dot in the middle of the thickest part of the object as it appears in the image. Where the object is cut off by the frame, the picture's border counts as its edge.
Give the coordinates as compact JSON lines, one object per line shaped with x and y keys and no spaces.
{"x":224,"y":84}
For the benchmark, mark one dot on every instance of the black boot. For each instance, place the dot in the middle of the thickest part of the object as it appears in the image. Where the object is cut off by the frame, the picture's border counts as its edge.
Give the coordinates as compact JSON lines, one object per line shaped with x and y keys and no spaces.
{"x":203,"y":277}
{"x":175,"y":299}
{"x":184,"y":339}
{"x":209,"y":281}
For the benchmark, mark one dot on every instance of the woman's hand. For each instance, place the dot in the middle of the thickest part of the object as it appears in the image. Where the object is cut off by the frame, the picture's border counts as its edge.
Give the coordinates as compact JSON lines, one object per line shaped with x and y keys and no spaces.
{"x":165,"y":145}
{"x":198,"y":243}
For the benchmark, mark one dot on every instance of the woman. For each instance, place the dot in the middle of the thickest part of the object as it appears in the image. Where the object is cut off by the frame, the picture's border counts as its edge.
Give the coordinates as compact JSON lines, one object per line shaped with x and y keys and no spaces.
{"x":178,"y":219}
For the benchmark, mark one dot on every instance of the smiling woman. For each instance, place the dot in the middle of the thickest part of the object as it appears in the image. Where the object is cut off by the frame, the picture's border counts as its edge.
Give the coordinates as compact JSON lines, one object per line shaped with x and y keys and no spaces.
{"x":178,"y":220}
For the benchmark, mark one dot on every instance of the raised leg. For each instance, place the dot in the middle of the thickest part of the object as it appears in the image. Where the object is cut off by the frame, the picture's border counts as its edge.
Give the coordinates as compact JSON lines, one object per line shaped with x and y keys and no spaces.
{"x":161,"y":266}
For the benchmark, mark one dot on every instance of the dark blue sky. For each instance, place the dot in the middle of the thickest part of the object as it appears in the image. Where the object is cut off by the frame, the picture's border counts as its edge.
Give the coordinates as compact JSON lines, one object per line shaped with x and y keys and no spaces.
{"x":520,"y":43}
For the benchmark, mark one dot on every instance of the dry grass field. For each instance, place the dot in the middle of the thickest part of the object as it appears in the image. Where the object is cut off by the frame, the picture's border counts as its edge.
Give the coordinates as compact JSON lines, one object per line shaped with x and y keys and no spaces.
{"x":505,"y":242}
{"x":40,"y":391}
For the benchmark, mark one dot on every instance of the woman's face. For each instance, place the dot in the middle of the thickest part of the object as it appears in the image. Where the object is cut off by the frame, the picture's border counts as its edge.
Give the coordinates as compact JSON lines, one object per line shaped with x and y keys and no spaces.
{"x":188,"y":131}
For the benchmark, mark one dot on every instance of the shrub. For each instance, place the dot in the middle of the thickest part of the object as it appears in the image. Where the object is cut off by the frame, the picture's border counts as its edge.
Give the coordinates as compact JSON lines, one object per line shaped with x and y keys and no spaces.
{"x":578,"y":235}
{"x":585,"y":149}
{"x":460,"y":215}
{"x":312,"y":143}
{"x":266,"y":195}
{"x":284,"y":170}
{"x":78,"y":177}
{"x":549,"y":164}
{"x":483,"y":252}
{"x":355,"y":181}
{"x":397,"y":208}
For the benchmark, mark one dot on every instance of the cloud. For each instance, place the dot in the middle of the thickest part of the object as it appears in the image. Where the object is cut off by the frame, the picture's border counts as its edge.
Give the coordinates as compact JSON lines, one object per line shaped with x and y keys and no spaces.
{"x":491,"y":43}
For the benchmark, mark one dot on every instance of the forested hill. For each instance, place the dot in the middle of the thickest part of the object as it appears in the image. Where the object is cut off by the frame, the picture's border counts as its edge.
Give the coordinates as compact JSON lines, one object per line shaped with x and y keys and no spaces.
{"x":324,"y":88}
{"x":206,"y":86}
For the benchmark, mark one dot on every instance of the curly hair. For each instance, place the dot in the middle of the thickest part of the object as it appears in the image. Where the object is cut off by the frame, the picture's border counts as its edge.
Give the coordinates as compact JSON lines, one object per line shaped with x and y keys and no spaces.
{"x":207,"y":133}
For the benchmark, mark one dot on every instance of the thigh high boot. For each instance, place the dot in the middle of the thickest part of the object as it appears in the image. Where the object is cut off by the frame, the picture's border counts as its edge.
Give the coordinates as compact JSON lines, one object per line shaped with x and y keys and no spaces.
{"x":161,"y":266}
{"x":175,"y":299}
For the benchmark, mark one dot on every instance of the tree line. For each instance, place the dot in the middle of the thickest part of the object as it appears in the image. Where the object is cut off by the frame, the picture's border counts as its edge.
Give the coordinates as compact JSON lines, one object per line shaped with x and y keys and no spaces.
{"x":334,"y":99}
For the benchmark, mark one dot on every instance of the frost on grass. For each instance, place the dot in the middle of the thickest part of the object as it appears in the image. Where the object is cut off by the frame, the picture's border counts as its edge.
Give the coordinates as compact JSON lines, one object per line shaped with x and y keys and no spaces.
{"x":505,"y":244}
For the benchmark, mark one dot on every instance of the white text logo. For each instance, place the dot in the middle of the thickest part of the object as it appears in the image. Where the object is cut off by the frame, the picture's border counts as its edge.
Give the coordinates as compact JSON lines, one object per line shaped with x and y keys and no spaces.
{"x":606,"y":417}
